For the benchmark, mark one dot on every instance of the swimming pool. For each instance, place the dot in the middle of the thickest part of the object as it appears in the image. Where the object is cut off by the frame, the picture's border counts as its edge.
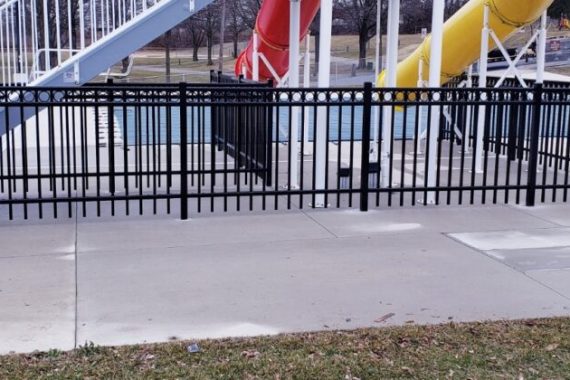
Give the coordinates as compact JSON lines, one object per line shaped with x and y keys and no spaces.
{"x":346,"y":120}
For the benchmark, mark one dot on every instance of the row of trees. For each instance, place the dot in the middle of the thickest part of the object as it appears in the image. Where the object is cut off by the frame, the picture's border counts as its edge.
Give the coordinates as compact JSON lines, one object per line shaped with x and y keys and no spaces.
{"x":204,"y":29}
{"x":356,"y":17}
{"x":350,"y":17}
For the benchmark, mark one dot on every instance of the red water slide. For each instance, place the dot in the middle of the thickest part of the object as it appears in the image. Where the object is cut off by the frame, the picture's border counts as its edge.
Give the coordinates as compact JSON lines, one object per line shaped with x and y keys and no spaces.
{"x":272,"y":27}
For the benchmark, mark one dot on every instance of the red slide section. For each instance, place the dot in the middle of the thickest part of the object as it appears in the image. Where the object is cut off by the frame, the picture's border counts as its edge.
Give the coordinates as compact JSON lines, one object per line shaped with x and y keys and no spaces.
{"x":272,"y":28}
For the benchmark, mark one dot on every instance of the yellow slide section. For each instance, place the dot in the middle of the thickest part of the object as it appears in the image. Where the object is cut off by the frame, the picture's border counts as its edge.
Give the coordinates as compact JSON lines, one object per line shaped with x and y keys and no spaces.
{"x":462,"y":37}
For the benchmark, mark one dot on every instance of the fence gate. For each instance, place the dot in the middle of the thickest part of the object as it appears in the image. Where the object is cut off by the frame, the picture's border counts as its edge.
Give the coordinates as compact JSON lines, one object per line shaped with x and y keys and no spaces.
{"x":242,"y":125}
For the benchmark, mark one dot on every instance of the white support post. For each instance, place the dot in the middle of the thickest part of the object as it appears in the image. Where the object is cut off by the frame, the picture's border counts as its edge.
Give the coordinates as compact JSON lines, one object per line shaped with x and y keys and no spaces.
{"x":255,"y":57}
{"x":69,"y":28}
{"x":434,"y":82}
{"x":391,"y":82}
{"x":377,"y":64}
{"x":306,"y":84}
{"x":469,"y":113}
{"x":422,"y":109}
{"x":541,"y":49}
{"x":57,"y":33}
{"x":323,"y":82}
{"x":483,"y":63}
{"x":294,"y":35}
{"x":46,"y":37}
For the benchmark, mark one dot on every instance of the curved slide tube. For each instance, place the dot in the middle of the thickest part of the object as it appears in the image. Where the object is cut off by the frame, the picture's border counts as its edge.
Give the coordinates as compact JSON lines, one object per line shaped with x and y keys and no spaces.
{"x":462,"y":37}
{"x":272,"y":27}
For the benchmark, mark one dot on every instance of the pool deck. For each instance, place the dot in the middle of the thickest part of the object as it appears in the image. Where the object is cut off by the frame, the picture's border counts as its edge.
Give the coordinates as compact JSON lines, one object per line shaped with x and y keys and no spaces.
{"x":148,"y":279}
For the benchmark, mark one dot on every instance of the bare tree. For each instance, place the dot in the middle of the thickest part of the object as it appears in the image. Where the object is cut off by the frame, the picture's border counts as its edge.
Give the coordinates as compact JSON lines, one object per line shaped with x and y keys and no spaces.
{"x":222,"y":36}
{"x":247,"y":11}
{"x":360,"y":17}
{"x":193,"y":32}
{"x":235,"y":24}
{"x":208,"y":21}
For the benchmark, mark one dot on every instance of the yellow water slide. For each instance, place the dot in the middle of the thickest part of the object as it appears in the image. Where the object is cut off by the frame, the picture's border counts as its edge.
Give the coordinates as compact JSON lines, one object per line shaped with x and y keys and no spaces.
{"x":462,"y":37}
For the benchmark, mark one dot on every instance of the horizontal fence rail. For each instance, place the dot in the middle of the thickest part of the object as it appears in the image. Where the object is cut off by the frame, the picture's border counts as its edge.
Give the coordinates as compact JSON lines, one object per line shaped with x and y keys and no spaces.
{"x":182,"y":149}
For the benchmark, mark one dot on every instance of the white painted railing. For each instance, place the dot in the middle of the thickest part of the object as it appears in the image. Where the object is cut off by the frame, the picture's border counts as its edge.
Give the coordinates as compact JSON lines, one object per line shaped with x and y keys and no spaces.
{"x":39,"y":35}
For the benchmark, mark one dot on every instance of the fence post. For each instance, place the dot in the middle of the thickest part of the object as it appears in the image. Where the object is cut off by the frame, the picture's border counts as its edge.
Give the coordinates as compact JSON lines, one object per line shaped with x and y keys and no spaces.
{"x":534,"y":143}
{"x":111,"y":136}
{"x":365,"y":158}
{"x":183,"y":153}
{"x":512,"y":132}
{"x":269,"y":136}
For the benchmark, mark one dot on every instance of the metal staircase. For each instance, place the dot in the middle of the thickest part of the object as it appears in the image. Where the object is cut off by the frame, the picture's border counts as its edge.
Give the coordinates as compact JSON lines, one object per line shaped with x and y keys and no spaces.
{"x":50,"y":43}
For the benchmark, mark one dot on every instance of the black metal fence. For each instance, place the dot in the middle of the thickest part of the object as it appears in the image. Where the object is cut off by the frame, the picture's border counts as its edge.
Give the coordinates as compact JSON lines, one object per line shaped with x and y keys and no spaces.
{"x":224,"y":147}
{"x":243,"y":132}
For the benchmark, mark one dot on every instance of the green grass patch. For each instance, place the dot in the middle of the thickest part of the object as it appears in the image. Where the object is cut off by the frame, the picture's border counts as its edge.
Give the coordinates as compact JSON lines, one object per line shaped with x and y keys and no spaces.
{"x":532,"y":349}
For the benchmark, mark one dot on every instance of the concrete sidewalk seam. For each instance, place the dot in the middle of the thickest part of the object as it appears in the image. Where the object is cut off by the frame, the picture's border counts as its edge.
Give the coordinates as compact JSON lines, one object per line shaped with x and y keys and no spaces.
{"x":514,"y":269}
{"x":76,"y":278}
{"x":319,"y":224}
{"x":523,"y":211}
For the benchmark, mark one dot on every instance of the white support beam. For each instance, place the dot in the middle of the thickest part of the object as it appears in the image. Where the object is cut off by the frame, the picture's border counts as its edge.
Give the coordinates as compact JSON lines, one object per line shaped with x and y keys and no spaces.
{"x":255,"y":57}
{"x":390,"y":82}
{"x":294,"y":36}
{"x":306,"y":84}
{"x":483,"y":64}
{"x":512,"y":63}
{"x":469,"y":112}
{"x":323,"y":82}
{"x":422,"y":109}
{"x":377,"y":70}
{"x":267,"y":64}
{"x":541,"y":49}
{"x":435,"y":61}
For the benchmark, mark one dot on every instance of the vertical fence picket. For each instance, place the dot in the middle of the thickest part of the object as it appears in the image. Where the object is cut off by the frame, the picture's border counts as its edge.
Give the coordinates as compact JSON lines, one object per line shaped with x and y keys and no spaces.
{"x":365,"y":154}
{"x":183,"y":152}
{"x":534,"y":144}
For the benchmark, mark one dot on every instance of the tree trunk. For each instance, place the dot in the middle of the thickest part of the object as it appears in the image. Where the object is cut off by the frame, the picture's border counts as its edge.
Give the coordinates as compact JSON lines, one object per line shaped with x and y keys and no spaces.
{"x":210,"y":40}
{"x":195,"y":49}
{"x":380,"y":45}
{"x":362,"y":50}
{"x":222,"y":35}
{"x":167,"y":55}
{"x":235,"y":41}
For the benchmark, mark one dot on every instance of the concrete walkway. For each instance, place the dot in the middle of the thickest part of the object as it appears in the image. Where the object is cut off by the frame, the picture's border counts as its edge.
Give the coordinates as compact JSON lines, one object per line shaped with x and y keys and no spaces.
{"x":134,"y":280}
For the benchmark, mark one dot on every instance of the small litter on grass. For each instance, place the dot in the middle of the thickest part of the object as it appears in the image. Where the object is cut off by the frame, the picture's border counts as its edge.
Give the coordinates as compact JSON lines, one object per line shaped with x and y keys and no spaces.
{"x":250,"y":354}
{"x":193,"y":348}
{"x":552,"y":347}
{"x":384,"y":318}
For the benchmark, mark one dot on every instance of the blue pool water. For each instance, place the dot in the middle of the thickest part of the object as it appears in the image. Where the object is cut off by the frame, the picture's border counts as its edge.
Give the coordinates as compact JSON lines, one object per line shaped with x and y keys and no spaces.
{"x":346,"y":119}
{"x":343,"y":120}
